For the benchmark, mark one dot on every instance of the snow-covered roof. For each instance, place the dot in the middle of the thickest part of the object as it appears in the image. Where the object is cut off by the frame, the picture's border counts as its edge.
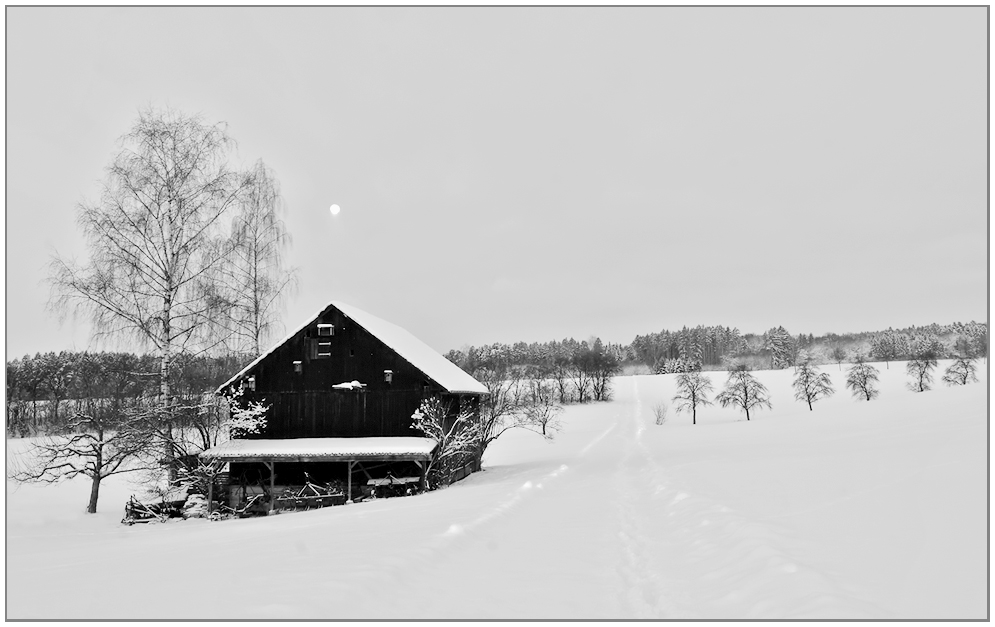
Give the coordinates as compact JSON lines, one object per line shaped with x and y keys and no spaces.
{"x":417,"y":353}
{"x":323,"y":449}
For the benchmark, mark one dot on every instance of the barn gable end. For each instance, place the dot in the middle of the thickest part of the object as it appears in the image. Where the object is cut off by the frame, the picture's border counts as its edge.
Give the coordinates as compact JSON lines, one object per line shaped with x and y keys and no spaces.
{"x":339,"y":345}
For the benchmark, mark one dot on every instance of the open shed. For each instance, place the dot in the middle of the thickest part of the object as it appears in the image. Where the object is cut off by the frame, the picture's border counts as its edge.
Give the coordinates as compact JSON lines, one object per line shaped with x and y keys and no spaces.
{"x":351,"y":451}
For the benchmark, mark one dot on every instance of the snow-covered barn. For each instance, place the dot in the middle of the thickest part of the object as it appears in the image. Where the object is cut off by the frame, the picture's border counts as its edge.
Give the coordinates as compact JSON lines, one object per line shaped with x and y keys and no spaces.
{"x":341,"y":390}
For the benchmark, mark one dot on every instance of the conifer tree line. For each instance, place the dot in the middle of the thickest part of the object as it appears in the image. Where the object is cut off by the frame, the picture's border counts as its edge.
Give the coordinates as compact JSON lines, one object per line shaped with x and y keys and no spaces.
{"x":724,"y":348}
{"x":721,"y":348}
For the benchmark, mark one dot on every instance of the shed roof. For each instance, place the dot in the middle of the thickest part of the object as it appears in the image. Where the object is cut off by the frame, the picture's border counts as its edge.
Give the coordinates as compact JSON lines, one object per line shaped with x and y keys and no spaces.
{"x":323,"y":449}
{"x":414,"y":351}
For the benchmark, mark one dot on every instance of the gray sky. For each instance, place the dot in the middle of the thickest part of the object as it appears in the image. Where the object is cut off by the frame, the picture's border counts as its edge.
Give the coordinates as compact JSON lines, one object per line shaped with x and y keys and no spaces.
{"x":529,"y":174}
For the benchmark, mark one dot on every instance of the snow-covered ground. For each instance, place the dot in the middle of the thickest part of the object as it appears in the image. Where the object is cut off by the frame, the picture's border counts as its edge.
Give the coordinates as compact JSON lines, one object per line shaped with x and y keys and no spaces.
{"x":855,"y":510}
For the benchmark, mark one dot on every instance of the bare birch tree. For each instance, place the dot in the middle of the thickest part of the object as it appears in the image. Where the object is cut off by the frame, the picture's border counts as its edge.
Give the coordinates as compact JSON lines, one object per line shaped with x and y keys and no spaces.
{"x":255,"y":277}
{"x":152,"y":239}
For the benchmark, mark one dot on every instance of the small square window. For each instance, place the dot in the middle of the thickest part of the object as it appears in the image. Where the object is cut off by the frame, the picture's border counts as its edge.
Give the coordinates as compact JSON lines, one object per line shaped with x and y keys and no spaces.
{"x":326,"y":330}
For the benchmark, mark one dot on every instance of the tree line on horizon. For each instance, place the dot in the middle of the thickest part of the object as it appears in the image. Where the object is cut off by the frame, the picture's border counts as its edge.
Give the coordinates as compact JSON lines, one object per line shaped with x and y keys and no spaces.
{"x":45,"y":391}
{"x":576,"y":371}
{"x":725,"y":348}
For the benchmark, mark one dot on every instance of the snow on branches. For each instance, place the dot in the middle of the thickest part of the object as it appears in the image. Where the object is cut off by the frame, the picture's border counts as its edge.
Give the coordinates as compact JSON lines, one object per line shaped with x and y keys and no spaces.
{"x":244,"y":417}
{"x":456,"y":429}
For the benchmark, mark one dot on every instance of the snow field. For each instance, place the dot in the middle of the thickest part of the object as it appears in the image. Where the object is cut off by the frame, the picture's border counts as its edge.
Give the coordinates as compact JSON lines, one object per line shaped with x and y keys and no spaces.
{"x":854,"y":510}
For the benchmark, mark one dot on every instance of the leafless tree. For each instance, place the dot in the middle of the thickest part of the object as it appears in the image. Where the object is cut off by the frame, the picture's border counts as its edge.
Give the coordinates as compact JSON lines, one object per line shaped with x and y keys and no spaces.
{"x":692,"y":392}
{"x":541,"y":409}
{"x":921,"y":371}
{"x":501,"y":408}
{"x":560,"y":373}
{"x":57,"y":371}
{"x":961,"y":372}
{"x":862,"y":378}
{"x":455,"y":429}
{"x":153,"y":241}
{"x":582,"y":378}
{"x":90,"y":446}
{"x":924,"y":350}
{"x":255,"y":280}
{"x":604,"y":363}
{"x":810,"y":384}
{"x":744,"y":391}
{"x":839,"y":355}
{"x":518,"y":397}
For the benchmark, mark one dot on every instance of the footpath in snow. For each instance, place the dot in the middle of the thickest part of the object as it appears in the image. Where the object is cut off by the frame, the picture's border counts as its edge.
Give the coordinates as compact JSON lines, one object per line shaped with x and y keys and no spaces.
{"x":854,"y":510}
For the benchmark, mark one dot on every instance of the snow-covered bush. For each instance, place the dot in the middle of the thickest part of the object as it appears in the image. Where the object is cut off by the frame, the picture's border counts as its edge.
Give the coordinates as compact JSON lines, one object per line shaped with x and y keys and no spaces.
{"x":660,"y":411}
{"x":456,"y":429}
{"x":195,"y":506}
{"x":244,"y":417}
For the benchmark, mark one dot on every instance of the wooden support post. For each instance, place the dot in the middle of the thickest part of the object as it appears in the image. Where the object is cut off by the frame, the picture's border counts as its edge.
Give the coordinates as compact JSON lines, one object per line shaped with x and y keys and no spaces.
{"x":272,"y":485}
{"x":348,"y":491}
{"x":422,"y":475}
{"x":210,"y":495}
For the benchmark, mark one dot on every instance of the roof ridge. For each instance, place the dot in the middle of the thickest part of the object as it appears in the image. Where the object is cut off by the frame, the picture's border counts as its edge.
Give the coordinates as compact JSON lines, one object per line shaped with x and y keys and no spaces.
{"x":405,"y":344}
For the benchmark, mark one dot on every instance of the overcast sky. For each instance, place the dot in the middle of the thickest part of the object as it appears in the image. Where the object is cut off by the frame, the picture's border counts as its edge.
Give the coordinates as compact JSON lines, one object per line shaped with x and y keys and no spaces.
{"x":530,"y":174}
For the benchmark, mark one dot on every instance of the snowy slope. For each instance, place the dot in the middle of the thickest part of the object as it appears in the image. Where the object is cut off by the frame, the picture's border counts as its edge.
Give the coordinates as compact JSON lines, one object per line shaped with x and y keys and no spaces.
{"x":854,"y":510}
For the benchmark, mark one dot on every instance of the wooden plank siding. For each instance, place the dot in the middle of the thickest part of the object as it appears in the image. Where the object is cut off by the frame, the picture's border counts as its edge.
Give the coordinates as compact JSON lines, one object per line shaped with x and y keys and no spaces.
{"x":305,"y":405}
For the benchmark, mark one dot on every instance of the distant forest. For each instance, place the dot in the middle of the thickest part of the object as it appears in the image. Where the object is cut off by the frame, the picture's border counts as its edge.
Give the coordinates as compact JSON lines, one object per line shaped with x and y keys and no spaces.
{"x":42,"y":390}
{"x":718,"y":348}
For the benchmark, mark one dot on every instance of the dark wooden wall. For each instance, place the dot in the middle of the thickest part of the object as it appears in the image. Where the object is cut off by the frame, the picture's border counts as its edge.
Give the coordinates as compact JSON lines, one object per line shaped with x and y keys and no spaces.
{"x":305,"y":405}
